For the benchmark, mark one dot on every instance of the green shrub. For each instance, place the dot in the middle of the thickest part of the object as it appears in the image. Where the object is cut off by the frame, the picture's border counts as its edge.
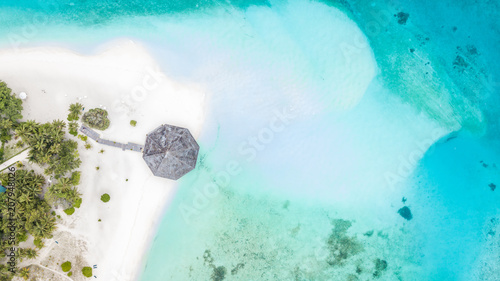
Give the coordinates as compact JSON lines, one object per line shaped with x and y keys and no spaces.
{"x":105,"y":197}
{"x":75,"y":177}
{"x":87,"y":271}
{"x":77,"y":203}
{"x":38,"y":243}
{"x":133,"y":123}
{"x":96,"y":118}
{"x":69,"y":211}
{"x":70,"y":273}
{"x":82,"y":137}
{"x":22,"y":237}
{"x":66,"y":266}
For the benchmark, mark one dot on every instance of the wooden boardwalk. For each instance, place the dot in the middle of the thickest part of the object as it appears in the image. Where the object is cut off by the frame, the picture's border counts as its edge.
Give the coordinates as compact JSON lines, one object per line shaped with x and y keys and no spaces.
{"x":95,"y":136}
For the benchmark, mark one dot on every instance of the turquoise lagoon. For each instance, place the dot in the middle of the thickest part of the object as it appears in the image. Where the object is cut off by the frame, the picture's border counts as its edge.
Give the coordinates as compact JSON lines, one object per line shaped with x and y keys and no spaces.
{"x":325,"y":118}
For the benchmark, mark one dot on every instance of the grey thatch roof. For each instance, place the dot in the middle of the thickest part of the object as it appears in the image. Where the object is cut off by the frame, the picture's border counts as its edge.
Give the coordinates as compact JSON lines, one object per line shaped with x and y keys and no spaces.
{"x":170,"y":151}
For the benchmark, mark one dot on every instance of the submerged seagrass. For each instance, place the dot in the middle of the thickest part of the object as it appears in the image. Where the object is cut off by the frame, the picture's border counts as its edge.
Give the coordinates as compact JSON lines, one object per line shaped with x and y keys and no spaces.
{"x":170,"y":151}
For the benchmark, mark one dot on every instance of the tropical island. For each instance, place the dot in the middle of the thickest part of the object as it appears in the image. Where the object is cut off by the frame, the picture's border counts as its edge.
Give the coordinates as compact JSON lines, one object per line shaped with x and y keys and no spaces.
{"x":74,"y":196}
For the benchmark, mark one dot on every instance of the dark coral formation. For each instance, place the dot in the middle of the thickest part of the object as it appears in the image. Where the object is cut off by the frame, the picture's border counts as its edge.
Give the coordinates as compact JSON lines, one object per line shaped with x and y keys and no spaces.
{"x":405,"y":212}
{"x":492,"y":186}
{"x":96,"y":118}
{"x":380,"y":266}
{"x":402,"y":17}
{"x":219,"y":272}
{"x":340,"y":245}
{"x":237,"y":268}
{"x":460,"y":63}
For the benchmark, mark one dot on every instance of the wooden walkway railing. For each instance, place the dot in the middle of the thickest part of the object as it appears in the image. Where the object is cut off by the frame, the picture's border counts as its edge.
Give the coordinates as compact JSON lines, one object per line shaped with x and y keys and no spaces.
{"x":95,"y":136}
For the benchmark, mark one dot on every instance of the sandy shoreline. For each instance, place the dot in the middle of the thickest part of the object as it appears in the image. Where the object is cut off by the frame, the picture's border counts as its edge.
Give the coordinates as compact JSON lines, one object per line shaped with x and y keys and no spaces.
{"x":125,"y":80}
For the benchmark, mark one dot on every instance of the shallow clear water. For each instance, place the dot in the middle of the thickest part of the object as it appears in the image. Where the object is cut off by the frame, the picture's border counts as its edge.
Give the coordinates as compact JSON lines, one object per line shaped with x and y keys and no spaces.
{"x":320,"y":114}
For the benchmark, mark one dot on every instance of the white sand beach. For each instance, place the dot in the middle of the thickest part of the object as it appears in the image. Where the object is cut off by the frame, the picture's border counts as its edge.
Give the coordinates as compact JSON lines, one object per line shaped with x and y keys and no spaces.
{"x":125,"y":80}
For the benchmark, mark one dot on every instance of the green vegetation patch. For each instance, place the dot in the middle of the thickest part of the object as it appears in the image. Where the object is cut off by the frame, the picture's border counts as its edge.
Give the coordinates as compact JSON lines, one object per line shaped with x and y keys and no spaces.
{"x":38,"y":243}
{"x":73,"y":128}
{"x":10,"y":106}
{"x":64,"y":192}
{"x":36,"y":219}
{"x":87,"y":271}
{"x":66,"y":266}
{"x":105,"y":198}
{"x":70,"y":273}
{"x":78,"y":203}
{"x":96,"y":118}
{"x":10,"y":112}
{"x":133,"y":123}
{"x":69,"y":211}
{"x":49,"y":147}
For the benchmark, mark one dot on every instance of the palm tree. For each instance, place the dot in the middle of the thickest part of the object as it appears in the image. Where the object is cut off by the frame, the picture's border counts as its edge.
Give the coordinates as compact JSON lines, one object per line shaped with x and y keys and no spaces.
{"x":5,"y":124}
{"x":75,"y":111}
{"x":24,"y":273}
{"x":31,"y":253}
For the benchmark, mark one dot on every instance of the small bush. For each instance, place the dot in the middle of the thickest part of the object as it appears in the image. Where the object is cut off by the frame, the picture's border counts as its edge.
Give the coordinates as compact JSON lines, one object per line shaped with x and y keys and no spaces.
{"x":97,"y":168}
{"x":22,"y":237}
{"x":66,"y":266}
{"x":82,"y":137}
{"x":38,"y":243}
{"x":88,"y":146}
{"x":96,"y":118}
{"x":133,"y":123}
{"x":70,"y":273}
{"x":87,"y":271}
{"x":77,"y":203}
{"x":75,"y":177}
{"x":105,"y":197}
{"x":69,"y":211}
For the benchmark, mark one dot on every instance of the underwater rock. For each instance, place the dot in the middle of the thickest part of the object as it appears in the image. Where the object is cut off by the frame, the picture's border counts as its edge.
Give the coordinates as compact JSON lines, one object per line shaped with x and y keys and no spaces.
{"x":472,"y":49}
{"x":219,"y":273}
{"x":492,"y":186}
{"x":237,"y":268}
{"x":402,"y":17}
{"x":380,"y":266}
{"x":460,"y":63}
{"x":405,"y":213}
{"x":342,"y":246}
